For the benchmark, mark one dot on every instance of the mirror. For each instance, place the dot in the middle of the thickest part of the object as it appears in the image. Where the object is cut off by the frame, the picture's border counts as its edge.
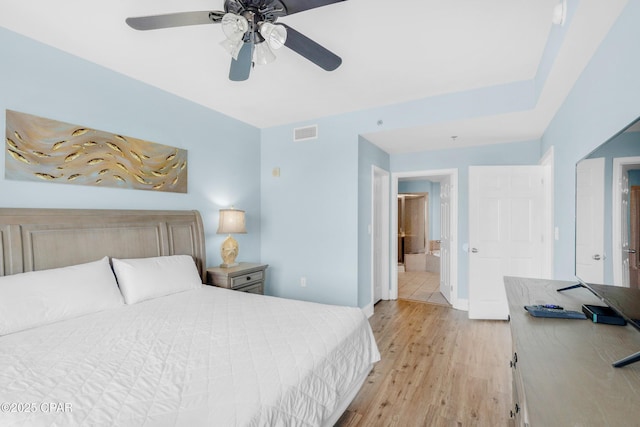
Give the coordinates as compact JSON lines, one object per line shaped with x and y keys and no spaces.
{"x":608,"y":215}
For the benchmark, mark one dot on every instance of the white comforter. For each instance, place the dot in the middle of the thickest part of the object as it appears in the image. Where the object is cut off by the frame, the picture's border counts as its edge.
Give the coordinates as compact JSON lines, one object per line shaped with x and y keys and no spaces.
{"x":207,"y":357}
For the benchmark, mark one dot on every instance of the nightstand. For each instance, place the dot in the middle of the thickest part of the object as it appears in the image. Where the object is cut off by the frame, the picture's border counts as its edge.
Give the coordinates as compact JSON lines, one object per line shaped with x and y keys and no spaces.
{"x":244,"y":277}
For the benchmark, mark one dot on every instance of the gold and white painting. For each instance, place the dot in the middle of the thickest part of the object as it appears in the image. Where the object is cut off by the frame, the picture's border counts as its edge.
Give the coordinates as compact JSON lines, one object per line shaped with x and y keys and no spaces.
{"x":40,"y":149}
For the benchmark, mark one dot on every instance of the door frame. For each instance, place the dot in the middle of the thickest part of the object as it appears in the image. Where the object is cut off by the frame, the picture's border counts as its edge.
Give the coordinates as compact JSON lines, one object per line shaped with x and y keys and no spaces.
{"x":620,"y":165}
{"x":590,"y":219}
{"x":384,"y":239}
{"x":547,"y":162}
{"x":453,"y":217}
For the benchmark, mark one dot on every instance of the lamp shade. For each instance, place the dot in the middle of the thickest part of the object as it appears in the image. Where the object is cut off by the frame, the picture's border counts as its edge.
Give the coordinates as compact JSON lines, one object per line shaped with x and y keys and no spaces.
{"x":262,"y":54}
{"x":232,"y":46}
{"x":234,"y":26}
{"x":275,"y":35}
{"x":231,"y":221}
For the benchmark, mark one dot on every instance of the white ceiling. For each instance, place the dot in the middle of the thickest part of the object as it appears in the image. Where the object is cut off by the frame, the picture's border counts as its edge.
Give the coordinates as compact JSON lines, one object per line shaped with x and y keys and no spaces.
{"x":392,"y":52}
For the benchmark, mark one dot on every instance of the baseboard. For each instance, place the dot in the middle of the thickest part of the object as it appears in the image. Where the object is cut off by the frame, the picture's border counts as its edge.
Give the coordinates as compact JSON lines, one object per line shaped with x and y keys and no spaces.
{"x":488,"y":310}
{"x":461,"y":304}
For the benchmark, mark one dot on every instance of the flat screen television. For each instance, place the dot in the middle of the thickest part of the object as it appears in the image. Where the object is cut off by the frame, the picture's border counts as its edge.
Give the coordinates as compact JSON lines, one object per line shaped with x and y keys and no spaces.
{"x":607,"y":208}
{"x":607,"y":246}
{"x":625,"y":301}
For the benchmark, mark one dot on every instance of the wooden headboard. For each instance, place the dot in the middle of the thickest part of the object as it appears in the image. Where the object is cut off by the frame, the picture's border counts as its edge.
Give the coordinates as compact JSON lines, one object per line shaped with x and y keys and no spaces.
{"x":39,"y":239}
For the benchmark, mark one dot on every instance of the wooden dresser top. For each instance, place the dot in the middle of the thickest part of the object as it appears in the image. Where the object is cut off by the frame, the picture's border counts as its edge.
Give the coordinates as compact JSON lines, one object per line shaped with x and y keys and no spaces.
{"x":565,"y":364}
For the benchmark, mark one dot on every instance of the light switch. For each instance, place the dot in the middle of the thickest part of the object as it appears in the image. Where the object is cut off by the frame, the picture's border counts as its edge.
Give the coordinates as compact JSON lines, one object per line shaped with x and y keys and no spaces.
{"x":275,"y":172}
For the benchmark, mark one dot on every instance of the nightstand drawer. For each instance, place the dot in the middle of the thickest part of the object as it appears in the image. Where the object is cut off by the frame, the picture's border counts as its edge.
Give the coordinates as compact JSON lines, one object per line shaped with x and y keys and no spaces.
{"x":246,"y":279}
{"x":256,"y":288}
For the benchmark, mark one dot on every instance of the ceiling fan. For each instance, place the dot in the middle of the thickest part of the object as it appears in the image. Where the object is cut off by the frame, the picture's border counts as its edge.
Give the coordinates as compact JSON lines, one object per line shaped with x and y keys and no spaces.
{"x":251,"y":31}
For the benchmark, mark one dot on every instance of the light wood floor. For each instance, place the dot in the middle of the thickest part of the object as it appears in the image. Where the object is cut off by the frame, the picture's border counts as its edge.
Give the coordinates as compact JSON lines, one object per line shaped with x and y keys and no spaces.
{"x":438,"y":368}
{"x":420,"y":286}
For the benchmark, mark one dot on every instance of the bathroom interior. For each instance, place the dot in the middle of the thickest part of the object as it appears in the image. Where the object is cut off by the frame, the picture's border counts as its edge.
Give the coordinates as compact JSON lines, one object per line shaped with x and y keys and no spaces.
{"x":418,"y":237}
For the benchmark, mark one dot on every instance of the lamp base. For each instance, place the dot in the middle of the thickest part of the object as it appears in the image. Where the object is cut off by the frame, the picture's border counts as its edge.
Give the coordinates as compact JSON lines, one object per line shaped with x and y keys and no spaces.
{"x":224,"y":265}
{"x":229,"y":252}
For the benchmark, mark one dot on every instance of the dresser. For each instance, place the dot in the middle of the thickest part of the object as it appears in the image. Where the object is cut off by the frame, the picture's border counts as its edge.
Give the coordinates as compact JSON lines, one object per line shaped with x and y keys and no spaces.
{"x":244,"y":277}
{"x":562,"y":373}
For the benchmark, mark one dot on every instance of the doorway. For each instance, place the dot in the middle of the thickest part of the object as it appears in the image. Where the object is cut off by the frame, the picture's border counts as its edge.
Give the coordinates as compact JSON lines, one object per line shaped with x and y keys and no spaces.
{"x":419,"y":241}
{"x":423,"y":266}
{"x":626,"y":176}
{"x":379,"y":235}
{"x":634,"y":238}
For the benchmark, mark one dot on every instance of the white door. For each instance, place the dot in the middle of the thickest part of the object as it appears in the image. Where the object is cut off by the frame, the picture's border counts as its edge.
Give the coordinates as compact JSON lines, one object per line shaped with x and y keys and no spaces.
{"x":624,"y":225}
{"x":590,"y":220}
{"x":445,"y":238}
{"x":380,"y":234}
{"x":506,"y":217}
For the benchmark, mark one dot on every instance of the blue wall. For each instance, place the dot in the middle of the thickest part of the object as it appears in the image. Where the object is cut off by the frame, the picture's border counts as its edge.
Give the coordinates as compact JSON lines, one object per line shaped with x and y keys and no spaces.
{"x":634,"y":177}
{"x":602,"y":102}
{"x":223,"y":154}
{"x":310,"y":215}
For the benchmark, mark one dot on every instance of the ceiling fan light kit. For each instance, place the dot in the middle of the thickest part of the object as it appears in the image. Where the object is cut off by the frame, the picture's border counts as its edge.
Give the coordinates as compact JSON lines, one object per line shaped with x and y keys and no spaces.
{"x":274,"y":35}
{"x":232,"y":47}
{"x":251,"y":32}
{"x":234,"y":26}
{"x":262,"y":54}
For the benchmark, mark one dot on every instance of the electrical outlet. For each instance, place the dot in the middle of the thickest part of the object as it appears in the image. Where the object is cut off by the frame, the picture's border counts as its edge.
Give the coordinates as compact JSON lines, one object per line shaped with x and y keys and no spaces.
{"x":303,"y":282}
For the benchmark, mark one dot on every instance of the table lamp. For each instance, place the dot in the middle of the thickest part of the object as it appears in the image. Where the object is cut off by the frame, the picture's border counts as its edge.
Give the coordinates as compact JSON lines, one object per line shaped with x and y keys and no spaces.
{"x":231,"y":221}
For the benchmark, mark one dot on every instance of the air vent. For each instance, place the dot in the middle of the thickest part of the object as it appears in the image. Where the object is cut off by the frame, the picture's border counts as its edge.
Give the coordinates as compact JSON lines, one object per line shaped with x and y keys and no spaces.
{"x":305,"y":133}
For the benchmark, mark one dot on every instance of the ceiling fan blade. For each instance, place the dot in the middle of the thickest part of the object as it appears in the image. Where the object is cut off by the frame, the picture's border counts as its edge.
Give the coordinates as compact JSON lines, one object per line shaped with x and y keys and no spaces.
{"x":311,"y":50}
{"x":241,"y":68}
{"x":180,"y":19}
{"x":295,"y":6}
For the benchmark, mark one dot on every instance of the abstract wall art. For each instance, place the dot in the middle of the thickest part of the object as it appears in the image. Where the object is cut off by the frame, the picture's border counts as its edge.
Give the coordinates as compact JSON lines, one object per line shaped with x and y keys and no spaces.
{"x":40,"y":149}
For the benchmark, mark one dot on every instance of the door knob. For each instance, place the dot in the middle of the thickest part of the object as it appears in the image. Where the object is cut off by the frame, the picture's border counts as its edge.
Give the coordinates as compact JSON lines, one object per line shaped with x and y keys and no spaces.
{"x":596,"y":257}
{"x":631,"y":251}
{"x":474,"y":250}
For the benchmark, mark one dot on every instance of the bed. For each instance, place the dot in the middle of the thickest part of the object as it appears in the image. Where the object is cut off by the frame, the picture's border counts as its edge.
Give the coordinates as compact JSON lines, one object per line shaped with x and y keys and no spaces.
{"x":78,"y":349}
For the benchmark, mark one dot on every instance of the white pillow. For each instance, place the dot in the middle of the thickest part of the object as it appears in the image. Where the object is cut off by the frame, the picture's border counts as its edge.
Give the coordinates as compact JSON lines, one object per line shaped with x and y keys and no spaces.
{"x":40,"y":297}
{"x":145,"y":278}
